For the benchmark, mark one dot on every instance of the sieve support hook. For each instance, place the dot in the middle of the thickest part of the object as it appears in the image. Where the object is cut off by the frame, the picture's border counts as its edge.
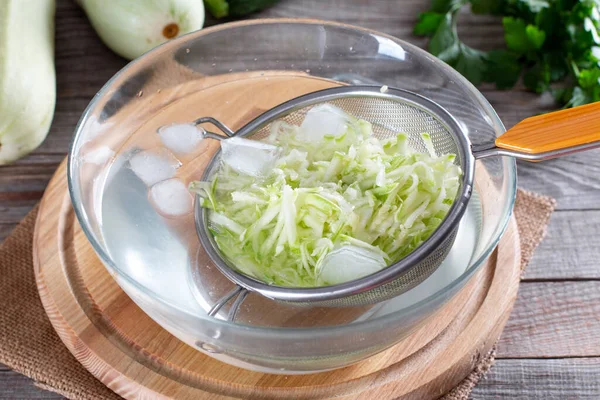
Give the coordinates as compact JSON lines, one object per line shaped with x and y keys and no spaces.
{"x":491,"y":150}
{"x":238,"y":292}
{"x":208,"y":134}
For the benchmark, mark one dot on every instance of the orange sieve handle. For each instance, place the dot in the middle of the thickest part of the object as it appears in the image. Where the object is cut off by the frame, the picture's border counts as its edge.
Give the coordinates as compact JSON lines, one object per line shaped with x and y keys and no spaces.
{"x":554,"y":134}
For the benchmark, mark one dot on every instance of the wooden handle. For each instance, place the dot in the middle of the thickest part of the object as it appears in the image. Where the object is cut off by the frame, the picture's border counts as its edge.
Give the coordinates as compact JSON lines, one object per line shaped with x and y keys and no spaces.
{"x":554,"y":131}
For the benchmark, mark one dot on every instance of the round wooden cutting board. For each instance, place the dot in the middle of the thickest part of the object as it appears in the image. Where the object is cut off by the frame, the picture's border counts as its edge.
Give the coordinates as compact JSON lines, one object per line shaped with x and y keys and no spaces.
{"x":131,"y":354}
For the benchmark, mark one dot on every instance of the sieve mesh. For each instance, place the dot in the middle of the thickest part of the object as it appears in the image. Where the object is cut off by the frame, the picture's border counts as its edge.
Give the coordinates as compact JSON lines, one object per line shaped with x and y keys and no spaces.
{"x":389,"y":115}
{"x":401,"y":284}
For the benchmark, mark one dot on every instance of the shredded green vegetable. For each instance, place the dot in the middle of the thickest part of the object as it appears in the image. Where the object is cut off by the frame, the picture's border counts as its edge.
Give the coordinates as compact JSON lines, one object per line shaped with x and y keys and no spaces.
{"x":353,"y":189}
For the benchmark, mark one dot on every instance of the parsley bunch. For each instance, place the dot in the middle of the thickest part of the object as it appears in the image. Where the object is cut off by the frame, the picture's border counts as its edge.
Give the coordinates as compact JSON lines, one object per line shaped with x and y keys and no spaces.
{"x":553,"y":45}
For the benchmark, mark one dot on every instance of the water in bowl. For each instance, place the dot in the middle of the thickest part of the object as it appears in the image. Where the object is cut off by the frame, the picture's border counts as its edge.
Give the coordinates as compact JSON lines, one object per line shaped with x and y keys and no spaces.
{"x":147,"y":224}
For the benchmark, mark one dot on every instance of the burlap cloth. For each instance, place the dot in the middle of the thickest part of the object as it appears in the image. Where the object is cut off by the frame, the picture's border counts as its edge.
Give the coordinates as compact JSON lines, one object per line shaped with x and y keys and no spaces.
{"x":29,"y":345}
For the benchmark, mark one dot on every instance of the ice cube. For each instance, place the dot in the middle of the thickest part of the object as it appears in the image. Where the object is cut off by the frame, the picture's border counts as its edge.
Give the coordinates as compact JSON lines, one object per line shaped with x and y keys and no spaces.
{"x":249,"y":157}
{"x":171,"y":198}
{"x":322,"y":120}
{"x":99,"y":155}
{"x":155,"y":165}
{"x":181,"y":138}
{"x":348,"y":263}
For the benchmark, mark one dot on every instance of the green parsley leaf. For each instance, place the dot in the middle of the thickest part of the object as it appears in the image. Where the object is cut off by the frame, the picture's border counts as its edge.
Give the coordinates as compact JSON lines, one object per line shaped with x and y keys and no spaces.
{"x":471,"y":64}
{"x":537,"y":78}
{"x":562,"y":95}
{"x":503,"y":68}
{"x":590,"y":27}
{"x":588,"y":78}
{"x":521,"y":37}
{"x":559,"y":68}
{"x":535,"y":36}
{"x":428,"y":24}
{"x":444,"y":39}
{"x":515,"y":34}
{"x":487,"y":6}
{"x":554,"y":45}
{"x":578,"y":98}
{"x":535,"y":6}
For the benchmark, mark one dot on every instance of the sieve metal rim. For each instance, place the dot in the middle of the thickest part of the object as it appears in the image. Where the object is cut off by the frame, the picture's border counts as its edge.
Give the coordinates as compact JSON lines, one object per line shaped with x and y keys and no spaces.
{"x":387,"y":274}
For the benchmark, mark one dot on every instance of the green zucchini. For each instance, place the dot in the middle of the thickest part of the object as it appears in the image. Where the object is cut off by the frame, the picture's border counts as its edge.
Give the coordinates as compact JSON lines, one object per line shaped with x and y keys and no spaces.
{"x":132,"y":27}
{"x":27,"y":75}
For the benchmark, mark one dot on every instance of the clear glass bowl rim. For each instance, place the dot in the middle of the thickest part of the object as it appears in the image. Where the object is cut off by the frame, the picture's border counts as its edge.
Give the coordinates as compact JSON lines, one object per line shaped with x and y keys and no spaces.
{"x":73,"y":186}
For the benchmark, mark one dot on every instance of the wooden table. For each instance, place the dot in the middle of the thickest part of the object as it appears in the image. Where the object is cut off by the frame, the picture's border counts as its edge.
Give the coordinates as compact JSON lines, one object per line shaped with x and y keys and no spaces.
{"x":550,"y":348}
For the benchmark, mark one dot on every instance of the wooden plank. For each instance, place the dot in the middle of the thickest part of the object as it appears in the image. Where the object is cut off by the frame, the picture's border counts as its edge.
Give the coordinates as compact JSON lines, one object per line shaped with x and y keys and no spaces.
{"x":22,"y":185}
{"x":541,"y":379}
{"x":454,"y":350}
{"x":556,"y":318}
{"x":5,"y":230}
{"x":38,"y":159}
{"x":386,"y":16}
{"x":28,"y":174}
{"x":553,"y":319}
{"x":16,"y":386}
{"x":66,"y":115}
{"x":572,"y":185}
{"x":83,"y":65}
{"x":517,"y":104}
{"x":572,"y":180}
{"x":12,"y":214}
{"x":516,"y":379}
{"x":549,"y":320}
{"x":83,"y":62}
{"x":12,"y":211}
{"x":570,"y":249}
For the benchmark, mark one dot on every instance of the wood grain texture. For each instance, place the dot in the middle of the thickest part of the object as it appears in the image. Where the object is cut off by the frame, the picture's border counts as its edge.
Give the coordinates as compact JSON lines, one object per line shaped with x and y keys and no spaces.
{"x":84,"y":64}
{"x":556,"y":130}
{"x":11,"y":213}
{"x":15,"y":386}
{"x":484,"y":308}
{"x":570,"y":250}
{"x":5,"y":230}
{"x":541,"y":379}
{"x":112,"y":337}
{"x":572,"y":180}
{"x":553,"y":319}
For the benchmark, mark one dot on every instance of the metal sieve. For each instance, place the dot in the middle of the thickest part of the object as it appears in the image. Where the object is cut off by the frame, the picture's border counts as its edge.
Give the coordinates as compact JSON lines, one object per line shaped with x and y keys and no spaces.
{"x":389,"y":111}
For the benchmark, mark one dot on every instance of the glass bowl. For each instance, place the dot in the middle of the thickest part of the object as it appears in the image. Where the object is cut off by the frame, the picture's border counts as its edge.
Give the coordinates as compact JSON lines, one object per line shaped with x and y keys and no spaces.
{"x":234,"y":72}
